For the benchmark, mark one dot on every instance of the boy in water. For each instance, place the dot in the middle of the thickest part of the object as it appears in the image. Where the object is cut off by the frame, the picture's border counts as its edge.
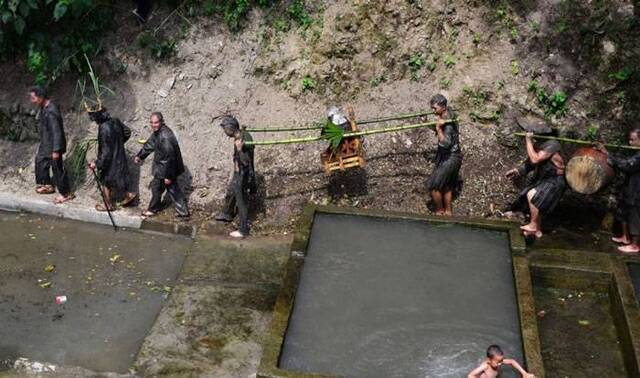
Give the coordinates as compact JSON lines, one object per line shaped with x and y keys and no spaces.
{"x":490,"y":368}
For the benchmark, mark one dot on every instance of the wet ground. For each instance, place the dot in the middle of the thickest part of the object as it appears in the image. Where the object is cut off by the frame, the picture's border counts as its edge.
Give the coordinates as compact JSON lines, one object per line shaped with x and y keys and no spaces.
{"x":388,"y":298}
{"x":115,"y":284}
{"x":578,"y":335}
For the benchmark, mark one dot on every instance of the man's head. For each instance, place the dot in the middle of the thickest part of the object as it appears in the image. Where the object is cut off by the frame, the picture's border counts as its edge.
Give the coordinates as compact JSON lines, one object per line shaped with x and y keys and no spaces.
{"x":495,"y":356}
{"x":38,"y":96}
{"x":438,"y":104}
{"x":634,"y":137}
{"x":230,"y":125}
{"x":157,"y":121}
{"x":99,"y":116}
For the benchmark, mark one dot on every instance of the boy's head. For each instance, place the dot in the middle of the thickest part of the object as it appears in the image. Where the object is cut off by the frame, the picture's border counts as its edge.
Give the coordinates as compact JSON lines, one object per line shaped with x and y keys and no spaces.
{"x":495,"y":356}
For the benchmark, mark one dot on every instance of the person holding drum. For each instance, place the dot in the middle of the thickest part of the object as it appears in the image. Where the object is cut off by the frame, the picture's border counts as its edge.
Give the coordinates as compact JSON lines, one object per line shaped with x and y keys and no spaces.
{"x":543,"y":195}
{"x":629,"y":206}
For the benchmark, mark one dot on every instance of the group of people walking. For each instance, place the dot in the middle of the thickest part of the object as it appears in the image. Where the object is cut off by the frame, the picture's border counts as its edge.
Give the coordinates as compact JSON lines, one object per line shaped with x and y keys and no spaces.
{"x":537,"y":200}
{"x":112,"y":163}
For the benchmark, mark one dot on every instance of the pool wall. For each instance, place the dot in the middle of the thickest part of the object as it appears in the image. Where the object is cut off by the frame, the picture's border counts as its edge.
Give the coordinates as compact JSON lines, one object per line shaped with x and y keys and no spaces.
{"x":274,"y":339}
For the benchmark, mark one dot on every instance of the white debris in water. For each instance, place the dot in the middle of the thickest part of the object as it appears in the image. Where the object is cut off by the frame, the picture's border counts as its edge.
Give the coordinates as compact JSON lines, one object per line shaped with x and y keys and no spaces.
{"x":35,"y":367}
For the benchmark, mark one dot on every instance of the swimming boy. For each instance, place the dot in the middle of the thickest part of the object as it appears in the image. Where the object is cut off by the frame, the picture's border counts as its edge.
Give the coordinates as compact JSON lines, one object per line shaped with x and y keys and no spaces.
{"x":490,"y":368}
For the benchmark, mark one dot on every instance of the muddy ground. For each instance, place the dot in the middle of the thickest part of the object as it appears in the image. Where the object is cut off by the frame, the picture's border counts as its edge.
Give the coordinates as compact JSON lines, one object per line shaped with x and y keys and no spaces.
{"x":481,"y":55}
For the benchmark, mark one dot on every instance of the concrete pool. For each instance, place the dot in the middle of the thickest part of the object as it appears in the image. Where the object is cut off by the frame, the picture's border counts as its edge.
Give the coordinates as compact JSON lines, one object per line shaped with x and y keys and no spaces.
{"x":377,"y":296}
{"x":115,"y":284}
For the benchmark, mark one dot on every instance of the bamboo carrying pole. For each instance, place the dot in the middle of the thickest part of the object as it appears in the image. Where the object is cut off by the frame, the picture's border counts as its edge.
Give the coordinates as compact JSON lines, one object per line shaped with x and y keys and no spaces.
{"x":319,"y":125}
{"x":578,"y":141}
{"x":346,"y":135}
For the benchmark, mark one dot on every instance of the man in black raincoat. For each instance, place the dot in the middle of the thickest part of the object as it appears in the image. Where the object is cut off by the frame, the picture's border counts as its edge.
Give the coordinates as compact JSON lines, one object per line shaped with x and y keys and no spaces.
{"x":167,"y":166}
{"x":629,"y":206}
{"x":53,"y":145}
{"x":543,"y":195}
{"x":243,"y":181}
{"x":111,"y":161}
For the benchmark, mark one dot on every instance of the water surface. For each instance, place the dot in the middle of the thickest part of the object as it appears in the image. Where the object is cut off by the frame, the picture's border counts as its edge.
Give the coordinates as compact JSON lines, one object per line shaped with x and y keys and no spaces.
{"x":389,"y":298}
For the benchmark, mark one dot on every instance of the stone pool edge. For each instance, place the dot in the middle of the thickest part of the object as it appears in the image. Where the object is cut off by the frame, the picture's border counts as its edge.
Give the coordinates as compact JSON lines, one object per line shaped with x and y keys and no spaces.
{"x":274,"y":338}
{"x":13,"y":202}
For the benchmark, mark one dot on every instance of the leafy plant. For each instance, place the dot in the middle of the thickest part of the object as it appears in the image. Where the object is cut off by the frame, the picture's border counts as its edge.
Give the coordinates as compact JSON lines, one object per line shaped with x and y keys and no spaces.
{"x":377,"y":80}
{"x":449,"y":61}
{"x":592,"y":132}
{"x":445,"y":83}
{"x":552,"y":104}
{"x":621,"y":75}
{"x":416,"y":62}
{"x":515,"y":67}
{"x":514,"y":32}
{"x":164,"y":48}
{"x":298,"y":13}
{"x":308,"y":83}
{"x":77,"y":160}
{"x":333,"y":134}
{"x":477,"y":38}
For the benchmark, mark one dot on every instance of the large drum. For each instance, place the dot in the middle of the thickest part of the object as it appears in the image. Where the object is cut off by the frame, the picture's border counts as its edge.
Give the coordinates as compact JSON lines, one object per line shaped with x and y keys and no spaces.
{"x":588,"y":171}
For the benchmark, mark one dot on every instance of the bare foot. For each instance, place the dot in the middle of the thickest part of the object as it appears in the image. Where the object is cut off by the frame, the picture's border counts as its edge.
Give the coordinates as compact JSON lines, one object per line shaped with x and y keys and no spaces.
{"x":537,"y":233}
{"x":45,"y":189}
{"x":147,"y":214}
{"x":529,"y":227}
{"x":448,"y":213}
{"x":62,"y":199}
{"x":439,"y":212}
{"x":629,"y":248}
{"x":620,"y":240}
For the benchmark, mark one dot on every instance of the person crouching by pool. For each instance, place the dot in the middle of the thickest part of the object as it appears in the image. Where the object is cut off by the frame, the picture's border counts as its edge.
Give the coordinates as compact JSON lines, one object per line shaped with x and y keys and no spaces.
{"x":629,"y":206}
{"x":444,"y":180}
{"x":167,"y":166}
{"x":243,"y":181}
{"x":490,"y":368}
{"x":544,"y":194}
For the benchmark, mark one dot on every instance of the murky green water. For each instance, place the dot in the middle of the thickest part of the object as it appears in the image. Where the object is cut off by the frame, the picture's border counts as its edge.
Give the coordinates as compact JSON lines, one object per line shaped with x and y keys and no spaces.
{"x":382,"y":298}
{"x":577,"y":334}
{"x":115,"y":285}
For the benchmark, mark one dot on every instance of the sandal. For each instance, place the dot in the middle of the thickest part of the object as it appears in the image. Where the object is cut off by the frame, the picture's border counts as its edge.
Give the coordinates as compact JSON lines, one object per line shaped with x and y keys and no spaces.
{"x":102,"y":207}
{"x":62,"y":199}
{"x":45,"y":189}
{"x":130,"y":197}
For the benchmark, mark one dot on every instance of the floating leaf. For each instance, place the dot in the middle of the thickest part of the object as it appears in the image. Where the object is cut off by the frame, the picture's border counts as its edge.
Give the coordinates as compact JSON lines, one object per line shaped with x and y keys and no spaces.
{"x":45,"y":285}
{"x":584,"y":322}
{"x":49,"y":268}
{"x":115,"y":258}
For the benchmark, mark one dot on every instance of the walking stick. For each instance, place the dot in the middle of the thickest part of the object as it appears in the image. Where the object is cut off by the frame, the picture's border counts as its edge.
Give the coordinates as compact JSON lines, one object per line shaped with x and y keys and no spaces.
{"x":106,"y":205}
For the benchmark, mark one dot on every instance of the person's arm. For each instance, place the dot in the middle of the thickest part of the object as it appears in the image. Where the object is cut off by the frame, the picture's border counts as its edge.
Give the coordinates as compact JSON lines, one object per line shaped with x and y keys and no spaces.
{"x":627,"y":165}
{"x":445,"y":136}
{"x":475,"y":373}
{"x":104,"y":141}
{"x":57,"y":134}
{"x":516,"y":365}
{"x":535,"y":156}
{"x":147,"y":148}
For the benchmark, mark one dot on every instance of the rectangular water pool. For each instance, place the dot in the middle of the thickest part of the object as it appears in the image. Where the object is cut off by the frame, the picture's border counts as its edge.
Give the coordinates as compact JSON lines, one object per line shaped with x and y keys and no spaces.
{"x":389,"y":297}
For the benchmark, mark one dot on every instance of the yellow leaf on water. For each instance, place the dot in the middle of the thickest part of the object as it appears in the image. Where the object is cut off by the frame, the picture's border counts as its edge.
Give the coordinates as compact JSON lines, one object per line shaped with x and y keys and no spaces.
{"x":45,"y":285}
{"x":49,"y":268}
{"x":142,"y":141}
{"x":583,"y":322}
{"x":115,"y":258}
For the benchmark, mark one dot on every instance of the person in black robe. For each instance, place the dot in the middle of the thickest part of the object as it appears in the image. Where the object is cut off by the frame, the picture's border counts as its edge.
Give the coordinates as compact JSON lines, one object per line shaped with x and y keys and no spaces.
{"x":111,"y":161}
{"x":629,"y":206}
{"x":445,"y":180}
{"x":548,"y":185}
{"x":243,"y":181}
{"x":167,"y":166}
{"x":53,"y":145}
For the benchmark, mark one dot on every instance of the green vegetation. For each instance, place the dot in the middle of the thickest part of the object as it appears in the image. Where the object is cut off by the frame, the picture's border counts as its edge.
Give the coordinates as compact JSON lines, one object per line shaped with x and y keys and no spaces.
{"x":308,"y":83}
{"x":415,"y":65}
{"x":592,"y":132}
{"x":445,"y":83}
{"x":475,"y":97}
{"x":553,"y":104}
{"x":515,"y":67}
{"x":449,"y":61}
{"x":52,"y":35}
{"x":621,"y":75}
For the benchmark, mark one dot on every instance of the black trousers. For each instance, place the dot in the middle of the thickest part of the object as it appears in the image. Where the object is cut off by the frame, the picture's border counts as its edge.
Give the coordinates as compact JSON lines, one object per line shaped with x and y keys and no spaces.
{"x":235,"y":201}
{"x":158,"y":187}
{"x":44,"y":165}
